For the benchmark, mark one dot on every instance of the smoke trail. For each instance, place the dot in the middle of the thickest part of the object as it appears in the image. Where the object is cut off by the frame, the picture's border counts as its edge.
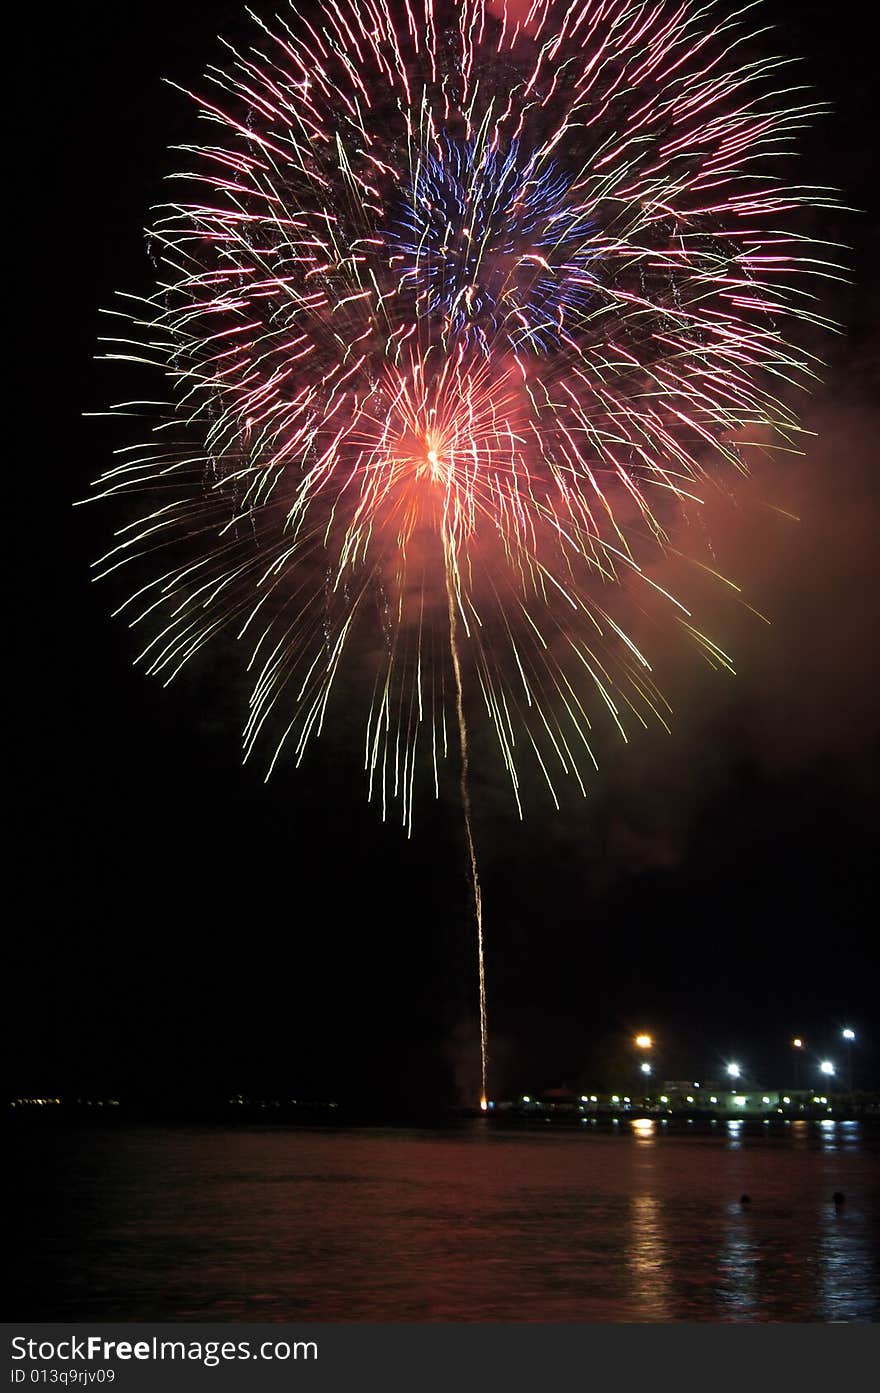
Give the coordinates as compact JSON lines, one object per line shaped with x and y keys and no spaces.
{"x":466,"y":808}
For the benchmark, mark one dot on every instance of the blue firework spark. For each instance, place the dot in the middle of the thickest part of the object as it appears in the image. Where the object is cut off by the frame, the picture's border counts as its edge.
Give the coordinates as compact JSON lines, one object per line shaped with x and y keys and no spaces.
{"x":494,"y":243}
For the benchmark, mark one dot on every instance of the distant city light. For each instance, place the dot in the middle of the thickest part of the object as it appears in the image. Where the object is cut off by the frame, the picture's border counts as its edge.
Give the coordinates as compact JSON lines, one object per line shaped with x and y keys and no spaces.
{"x":826,"y":1066}
{"x":663,"y":1098}
{"x":645,"y":1068}
{"x":615,"y":1098}
{"x":765,"y":1099}
{"x":848,"y":1034}
{"x":644,"y":1042}
{"x":798,"y":1042}
{"x":734,"y":1070}
{"x":713,"y":1099}
{"x":690,"y":1098}
{"x":786,"y":1099}
{"x":526,"y":1098}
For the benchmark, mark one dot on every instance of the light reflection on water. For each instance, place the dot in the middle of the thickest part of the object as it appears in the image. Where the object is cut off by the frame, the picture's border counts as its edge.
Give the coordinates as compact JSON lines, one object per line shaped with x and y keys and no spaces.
{"x":737,"y":1267}
{"x":480,"y":1224}
{"x":648,"y":1258}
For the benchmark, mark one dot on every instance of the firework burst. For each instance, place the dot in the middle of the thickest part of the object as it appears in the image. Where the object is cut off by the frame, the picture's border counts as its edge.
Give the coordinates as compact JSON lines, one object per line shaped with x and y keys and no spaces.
{"x":464,"y":304}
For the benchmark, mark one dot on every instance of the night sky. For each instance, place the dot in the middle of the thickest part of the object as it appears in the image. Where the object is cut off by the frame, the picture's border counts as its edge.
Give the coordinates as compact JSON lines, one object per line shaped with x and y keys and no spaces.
{"x":176,"y":926}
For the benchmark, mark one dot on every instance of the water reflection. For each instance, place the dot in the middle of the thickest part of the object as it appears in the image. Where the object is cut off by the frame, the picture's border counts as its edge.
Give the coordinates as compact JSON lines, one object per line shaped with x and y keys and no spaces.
{"x":801,"y":1133}
{"x":494,"y":1225}
{"x":647,"y":1259}
{"x":847,"y":1265}
{"x":738,"y":1267}
{"x":828,"y":1135}
{"x":643,"y":1129}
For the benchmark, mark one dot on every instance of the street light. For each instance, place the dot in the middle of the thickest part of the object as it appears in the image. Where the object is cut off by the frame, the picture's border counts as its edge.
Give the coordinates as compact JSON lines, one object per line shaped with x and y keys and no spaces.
{"x":826,"y":1066}
{"x":849,"y":1036}
{"x":644,"y":1041}
{"x":797,"y":1045}
{"x":735,"y":1071}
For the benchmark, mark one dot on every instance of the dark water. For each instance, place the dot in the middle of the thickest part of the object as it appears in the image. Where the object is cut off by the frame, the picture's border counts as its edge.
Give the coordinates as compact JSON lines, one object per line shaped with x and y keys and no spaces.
{"x":474,"y":1225}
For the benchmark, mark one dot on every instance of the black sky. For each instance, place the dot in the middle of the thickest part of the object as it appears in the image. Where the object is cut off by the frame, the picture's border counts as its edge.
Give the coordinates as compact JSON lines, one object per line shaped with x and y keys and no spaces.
{"x":173,"y":923}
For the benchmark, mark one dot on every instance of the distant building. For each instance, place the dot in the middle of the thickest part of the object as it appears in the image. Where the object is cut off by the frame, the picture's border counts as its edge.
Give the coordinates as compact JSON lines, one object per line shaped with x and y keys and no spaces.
{"x":747,"y":1100}
{"x":560,"y":1099}
{"x":685,"y":1093}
